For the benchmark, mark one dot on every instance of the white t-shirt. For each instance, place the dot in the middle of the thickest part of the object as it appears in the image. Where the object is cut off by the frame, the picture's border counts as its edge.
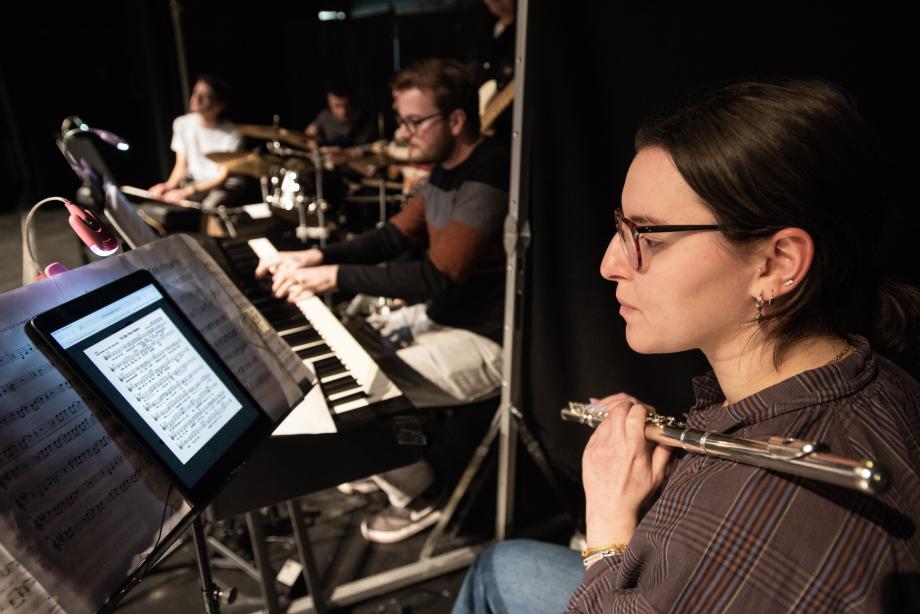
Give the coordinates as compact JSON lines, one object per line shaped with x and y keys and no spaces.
{"x":195,"y":140}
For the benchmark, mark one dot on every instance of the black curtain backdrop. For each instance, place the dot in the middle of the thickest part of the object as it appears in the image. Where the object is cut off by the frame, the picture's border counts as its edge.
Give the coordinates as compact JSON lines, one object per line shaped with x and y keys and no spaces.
{"x":113,"y":63}
{"x":594,"y":71}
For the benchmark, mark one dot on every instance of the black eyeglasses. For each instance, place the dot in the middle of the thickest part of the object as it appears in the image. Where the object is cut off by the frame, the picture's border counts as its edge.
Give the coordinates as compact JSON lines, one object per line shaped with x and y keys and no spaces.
{"x":412,"y":124}
{"x":629,"y":234}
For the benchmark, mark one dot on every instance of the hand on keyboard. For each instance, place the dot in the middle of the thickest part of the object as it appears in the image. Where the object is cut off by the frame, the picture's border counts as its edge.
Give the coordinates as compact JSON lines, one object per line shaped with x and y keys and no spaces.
{"x":303,"y":282}
{"x":280,"y":262}
{"x":177,"y":195}
{"x":158,"y":190}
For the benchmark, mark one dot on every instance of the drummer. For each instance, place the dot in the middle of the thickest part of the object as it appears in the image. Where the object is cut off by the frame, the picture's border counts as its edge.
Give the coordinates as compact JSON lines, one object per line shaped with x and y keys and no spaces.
{"x":342,"y":124}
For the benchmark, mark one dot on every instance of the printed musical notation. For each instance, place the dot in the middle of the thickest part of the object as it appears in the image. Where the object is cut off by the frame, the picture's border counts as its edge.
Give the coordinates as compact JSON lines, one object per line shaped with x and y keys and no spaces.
{"x":21,"y":381}
{"x":167,"y":382}
{"x":20,"y":353}
{"x":19,"y":592}
{"x":72,"y":475}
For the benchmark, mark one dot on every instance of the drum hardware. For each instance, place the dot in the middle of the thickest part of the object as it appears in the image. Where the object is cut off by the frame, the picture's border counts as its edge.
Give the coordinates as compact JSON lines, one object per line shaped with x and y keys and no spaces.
{"x":319,"y":205}
{"x":275,"y":133}
{"x":360,"y":198}
{"x":249,"y":163}
{"x":275,"y":148}
{"x":373,"y":182}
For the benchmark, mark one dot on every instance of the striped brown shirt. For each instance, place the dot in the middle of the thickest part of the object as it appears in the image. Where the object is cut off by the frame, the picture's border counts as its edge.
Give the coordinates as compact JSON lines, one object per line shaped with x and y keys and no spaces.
{"x":729,"y":537}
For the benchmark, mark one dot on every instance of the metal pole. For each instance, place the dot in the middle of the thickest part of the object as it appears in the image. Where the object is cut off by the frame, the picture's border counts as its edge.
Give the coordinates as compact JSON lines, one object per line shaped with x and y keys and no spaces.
{"x":517,"y":239}
{"x":209,"y":592}
{"x":176,"y":10}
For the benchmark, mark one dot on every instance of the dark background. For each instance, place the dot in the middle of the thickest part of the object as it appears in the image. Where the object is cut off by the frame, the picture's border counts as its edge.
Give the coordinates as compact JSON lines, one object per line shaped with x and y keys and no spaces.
{"x":594,"y":71}
{"x":592,"y":76}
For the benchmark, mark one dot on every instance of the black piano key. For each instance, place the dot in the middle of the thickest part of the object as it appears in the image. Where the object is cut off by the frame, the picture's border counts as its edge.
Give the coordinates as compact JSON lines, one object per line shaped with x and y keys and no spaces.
{"x":328,"y":366}
{"x":311,"y":352}
{"x":348,"y":399}
{"x":338,"y":385}
{"x":280,"y":311}
{"x":290,"y":322}
{"x":301,"y":337}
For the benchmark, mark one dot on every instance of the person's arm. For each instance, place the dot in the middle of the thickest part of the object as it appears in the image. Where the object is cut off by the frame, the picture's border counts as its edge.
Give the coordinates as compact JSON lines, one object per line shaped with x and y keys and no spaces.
{"x":724,"y":536}
{"x":176,"y":177}
{"x":199,"y":187}
{"x":413,"y":281}
{"x":369,"y":247}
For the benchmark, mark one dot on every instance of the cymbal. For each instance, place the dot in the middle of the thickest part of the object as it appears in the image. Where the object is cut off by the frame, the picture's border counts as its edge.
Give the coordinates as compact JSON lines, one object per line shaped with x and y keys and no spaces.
{"x":243,"y":162}
{"x":270,"y":133}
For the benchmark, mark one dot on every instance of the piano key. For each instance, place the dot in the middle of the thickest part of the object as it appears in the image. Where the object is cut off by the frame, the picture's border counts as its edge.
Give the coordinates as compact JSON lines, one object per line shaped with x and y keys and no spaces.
{"x":298,"y":339}
{"x":297,"y":329}
{"x":345,"y":395}
{"x":333,"y":377}
{"x":315,"y":353}
{"x":349,"y":378}
{"x":350,"y":406}
{"x":342,"y":383}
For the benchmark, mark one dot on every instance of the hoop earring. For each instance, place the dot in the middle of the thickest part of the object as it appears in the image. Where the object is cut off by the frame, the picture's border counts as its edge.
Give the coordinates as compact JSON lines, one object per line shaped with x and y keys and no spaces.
{"x":758,"y":309}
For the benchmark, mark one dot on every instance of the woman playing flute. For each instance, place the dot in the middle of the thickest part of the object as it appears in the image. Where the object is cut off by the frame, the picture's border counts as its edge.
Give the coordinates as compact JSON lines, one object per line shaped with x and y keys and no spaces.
{"x":749,"y":229}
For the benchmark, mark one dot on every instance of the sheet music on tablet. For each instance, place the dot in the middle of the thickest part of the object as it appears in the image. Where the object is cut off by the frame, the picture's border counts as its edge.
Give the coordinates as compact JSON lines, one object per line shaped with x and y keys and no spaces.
{"x":79,"y":508}
{"x":156,"y":369}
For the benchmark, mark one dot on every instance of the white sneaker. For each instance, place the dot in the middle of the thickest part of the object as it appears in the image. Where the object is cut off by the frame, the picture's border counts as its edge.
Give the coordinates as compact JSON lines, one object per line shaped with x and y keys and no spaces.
{"x":394,"y":524}
{"x":358,"y":487}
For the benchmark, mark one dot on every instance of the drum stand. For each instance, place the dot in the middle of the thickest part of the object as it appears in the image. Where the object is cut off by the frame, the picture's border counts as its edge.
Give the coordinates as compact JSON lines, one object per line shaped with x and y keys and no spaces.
{"x":318,"y":206}
{"x":382,"y":195}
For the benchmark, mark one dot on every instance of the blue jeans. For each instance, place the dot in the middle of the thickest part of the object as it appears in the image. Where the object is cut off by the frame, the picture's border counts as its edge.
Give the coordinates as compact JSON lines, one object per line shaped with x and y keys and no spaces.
{"x":520,"y":576}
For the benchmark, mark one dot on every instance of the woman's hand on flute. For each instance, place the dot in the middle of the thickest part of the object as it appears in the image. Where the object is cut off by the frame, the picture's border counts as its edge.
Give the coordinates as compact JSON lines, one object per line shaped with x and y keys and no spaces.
{"x":620,"y":470}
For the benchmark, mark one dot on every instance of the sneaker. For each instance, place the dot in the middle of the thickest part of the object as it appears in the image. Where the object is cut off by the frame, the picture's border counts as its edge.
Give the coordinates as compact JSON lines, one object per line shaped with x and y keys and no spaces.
{"x":394,"y":524}
{"x":359,"y":487}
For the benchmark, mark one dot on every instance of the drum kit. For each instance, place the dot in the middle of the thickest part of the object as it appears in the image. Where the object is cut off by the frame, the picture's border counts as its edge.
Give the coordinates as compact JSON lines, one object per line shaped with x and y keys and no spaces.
{"x":291,"y":169}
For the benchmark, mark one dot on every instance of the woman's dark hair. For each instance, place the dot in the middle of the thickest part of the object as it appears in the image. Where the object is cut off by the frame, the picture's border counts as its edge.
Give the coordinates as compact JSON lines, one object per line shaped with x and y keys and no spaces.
{"x":768,"y":155}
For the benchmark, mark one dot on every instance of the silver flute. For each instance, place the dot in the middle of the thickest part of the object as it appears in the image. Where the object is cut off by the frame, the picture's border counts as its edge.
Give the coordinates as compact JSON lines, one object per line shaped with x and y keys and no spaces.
{"x":794,"y":456}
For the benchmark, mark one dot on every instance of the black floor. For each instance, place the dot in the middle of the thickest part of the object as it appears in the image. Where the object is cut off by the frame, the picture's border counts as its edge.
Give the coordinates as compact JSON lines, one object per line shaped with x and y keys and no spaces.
{"x":341,"y":555}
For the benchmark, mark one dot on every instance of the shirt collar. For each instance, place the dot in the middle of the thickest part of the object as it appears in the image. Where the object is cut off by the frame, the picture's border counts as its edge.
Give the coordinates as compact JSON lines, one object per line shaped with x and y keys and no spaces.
{"x":815,"y":386}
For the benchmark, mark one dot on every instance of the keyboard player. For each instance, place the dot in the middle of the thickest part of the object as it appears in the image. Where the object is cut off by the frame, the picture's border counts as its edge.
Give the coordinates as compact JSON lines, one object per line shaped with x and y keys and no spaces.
{"x":451,"y":335}
{"x":196,"y":134}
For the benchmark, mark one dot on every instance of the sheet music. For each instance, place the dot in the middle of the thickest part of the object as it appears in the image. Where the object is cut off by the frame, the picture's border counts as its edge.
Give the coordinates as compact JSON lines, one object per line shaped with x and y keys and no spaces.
{"x":19,"y":591}
{"x":165,"y":380}
{"x":79,"y":506}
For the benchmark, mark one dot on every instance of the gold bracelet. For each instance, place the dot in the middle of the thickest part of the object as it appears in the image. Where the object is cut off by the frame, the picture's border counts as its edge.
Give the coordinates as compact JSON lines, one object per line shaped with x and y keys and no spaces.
{"x":615,"y":550}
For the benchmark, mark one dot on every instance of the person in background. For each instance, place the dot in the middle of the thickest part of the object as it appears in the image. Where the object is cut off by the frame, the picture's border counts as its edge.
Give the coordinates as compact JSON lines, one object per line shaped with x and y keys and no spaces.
{"x":342,"y":124}
{"x":451,"y":335}
{"x":202,"y":131}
